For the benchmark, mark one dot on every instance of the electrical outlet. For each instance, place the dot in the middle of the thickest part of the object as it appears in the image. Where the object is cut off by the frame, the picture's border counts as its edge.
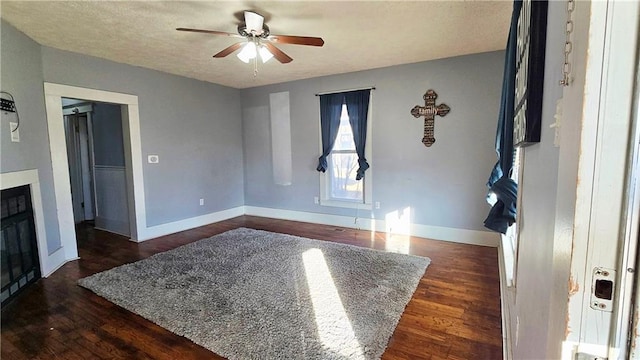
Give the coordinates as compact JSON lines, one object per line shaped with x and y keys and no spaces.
{"x":153,"y":159}
{"x":377,"y":204}
{"x":316,"y":200}
{"x":201,"y":202}
{"x":15,"y":132}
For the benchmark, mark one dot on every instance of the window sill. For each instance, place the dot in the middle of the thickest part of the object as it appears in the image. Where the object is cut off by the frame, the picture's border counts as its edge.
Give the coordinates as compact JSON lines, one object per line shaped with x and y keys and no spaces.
{"x":345,"y":204}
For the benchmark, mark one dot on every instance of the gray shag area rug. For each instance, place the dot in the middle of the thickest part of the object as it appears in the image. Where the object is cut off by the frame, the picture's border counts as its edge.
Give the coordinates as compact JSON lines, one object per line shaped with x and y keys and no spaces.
{"x":252,"y":294}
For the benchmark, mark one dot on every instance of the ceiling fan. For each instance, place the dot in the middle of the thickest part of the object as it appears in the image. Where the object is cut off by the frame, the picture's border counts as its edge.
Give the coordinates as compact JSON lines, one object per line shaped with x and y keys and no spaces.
{"x":258,"y":40}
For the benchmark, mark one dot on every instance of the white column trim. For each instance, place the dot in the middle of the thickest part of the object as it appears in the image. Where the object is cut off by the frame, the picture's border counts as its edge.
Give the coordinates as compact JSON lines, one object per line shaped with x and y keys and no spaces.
{"x":49,"y":262}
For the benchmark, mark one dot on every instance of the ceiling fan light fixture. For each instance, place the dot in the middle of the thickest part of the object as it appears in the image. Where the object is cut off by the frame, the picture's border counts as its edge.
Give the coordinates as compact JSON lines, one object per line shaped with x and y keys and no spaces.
{"x":258,"y":41}
{"x":265,"y":54}
{"x":248,"y":52}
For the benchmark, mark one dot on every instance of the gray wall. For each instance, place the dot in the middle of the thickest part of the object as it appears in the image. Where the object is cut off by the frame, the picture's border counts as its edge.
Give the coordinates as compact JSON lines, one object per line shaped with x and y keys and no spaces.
{"x":194,"y":127}
{"x":112,"y":212}
{"x":21,"y":75}
{"x":108,"y":147}
{"x":444,"y":185}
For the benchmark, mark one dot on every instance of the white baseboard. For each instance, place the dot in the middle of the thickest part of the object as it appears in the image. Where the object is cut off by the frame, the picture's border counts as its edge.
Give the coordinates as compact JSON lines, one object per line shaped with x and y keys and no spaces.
{"x":59,"y":266}
{"x":111,"y":225}
{"x":53,"y":262}
{"x":110,"y":231}
{"x":186,"y":224}
{"x":464,"y":236}
{"x":57,"y":259}
{"x":474,"y":237}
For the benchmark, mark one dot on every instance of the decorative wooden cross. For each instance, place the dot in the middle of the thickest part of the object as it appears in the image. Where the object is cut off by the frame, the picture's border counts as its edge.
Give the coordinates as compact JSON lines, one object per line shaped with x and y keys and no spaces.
{"x":429,"y":111}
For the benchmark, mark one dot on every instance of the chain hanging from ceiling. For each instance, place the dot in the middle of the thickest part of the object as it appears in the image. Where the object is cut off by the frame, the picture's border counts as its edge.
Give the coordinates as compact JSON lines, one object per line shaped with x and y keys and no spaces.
{"x":568,"y":45}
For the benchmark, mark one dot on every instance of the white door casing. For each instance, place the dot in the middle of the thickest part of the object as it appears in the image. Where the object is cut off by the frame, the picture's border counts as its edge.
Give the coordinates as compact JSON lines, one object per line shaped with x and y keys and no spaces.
{"x":598,"y":235}
{"x":133,"y":151}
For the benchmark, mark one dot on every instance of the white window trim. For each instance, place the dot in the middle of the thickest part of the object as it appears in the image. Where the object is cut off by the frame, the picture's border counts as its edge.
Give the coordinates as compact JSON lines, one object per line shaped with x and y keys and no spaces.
{"x":511,"y":239}
{"x":325,"y":200}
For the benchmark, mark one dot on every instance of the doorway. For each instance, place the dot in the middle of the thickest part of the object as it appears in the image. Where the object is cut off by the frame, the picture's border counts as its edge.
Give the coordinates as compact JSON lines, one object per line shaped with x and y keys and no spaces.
{"x":133,"y":160}
{"x":79,"y":154}
{"x":97,"y":167}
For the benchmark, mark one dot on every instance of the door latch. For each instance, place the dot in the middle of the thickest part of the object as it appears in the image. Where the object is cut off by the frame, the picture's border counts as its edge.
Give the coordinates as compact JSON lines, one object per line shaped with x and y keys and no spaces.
{"x":603,"y":289}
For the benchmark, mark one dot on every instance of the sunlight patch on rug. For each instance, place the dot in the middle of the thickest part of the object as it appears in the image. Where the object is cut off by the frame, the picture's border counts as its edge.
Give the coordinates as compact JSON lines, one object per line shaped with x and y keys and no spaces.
{"x":252,"y":294}
{"x":332,"y":321}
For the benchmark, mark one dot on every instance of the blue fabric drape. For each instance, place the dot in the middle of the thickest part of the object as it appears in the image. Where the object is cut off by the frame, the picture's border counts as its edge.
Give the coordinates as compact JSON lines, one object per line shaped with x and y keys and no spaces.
{"x":330,"y":109}
{"x":502,"y":214}
{"x":504,"y":133}
{"x":358,"y":108}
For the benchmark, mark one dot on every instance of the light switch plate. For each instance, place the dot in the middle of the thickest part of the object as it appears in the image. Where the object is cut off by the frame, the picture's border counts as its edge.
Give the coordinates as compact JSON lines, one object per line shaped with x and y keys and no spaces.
{"x":15,"y":135}
{"x":153,"y":159}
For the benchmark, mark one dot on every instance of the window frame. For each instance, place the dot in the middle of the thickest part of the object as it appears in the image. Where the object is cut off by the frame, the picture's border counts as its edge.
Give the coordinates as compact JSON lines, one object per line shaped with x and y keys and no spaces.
{"x":325,"y":198}
{"x":511,"y":239}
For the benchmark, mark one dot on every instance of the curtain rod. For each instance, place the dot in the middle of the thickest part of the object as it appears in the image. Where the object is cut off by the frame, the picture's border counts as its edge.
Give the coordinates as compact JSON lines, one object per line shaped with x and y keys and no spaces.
{"x":347,"y":90}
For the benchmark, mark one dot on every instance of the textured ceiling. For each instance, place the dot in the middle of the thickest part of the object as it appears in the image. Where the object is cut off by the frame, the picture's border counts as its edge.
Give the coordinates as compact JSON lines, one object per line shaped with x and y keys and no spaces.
{"x":358,"y":35}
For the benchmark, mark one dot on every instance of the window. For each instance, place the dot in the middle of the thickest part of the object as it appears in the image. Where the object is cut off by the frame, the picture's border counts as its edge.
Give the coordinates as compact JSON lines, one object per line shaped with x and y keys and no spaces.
{"x":343,"y":164}
{"x":339,"y":186}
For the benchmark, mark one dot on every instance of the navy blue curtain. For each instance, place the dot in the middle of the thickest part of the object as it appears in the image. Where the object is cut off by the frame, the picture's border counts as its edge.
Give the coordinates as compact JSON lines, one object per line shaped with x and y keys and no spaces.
{"x":330,"y":109}
{"x":358,"y":108}
{"x":503,"y":212}
{"x":504,"y":133}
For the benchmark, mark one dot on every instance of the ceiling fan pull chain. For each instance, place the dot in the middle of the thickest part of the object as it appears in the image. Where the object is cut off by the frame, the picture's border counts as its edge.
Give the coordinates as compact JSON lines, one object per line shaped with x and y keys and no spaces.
{"x":255,"y":66}
{"x":568,"y":45}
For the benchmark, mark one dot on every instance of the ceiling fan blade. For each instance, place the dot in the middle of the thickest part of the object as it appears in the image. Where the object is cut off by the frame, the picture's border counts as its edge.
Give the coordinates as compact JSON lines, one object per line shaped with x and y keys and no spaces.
{"x":277,"y":53}
{"x":214,"y":32}
{"x":297,"y":40}
{"x":253,"y":21}
{"x":229,"y":50}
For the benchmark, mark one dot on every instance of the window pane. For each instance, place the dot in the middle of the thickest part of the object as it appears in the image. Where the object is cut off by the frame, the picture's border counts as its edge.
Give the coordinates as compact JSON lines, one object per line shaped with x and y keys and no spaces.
{"x":515,"y":169}
{"x":344,"y":140}
{"x":343,"y":184}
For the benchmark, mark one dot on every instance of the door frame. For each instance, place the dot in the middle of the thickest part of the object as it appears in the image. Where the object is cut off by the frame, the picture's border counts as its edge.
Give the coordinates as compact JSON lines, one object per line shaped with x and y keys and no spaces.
{"x":625,"y":321}
{"x":86,"y":110}
{"x":86,"y":158}
{"x":75,"y":165}
{"x":598,"y":224}
{"x":133,"y":158}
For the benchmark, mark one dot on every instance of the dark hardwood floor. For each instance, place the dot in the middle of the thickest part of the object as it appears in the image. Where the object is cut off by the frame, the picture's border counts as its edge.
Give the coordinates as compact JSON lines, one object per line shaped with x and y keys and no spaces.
{"x":454,"y":313}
